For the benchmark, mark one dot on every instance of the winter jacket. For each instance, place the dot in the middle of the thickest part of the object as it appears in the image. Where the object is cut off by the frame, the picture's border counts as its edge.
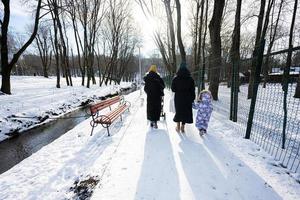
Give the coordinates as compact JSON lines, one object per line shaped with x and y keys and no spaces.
{"x":184,"y":88}
{"x":204,"y":110}
{"x":154,"y":88}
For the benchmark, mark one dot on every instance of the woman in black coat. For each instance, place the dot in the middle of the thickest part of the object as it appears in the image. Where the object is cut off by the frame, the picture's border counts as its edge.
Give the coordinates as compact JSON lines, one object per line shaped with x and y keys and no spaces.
{"x":154,"y":88}
{"x":184,"y":87}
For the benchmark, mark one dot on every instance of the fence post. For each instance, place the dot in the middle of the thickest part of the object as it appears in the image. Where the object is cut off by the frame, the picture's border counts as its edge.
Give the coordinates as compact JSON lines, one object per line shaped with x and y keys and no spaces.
{"x":285,"y":87}
{"x":232,"y":90}
{"x":236,"y":90}
{"x":259,"y":60}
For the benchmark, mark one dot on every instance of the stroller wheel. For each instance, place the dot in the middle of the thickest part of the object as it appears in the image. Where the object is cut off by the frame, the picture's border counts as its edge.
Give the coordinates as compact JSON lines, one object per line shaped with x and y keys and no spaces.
{"x":163,"y":115}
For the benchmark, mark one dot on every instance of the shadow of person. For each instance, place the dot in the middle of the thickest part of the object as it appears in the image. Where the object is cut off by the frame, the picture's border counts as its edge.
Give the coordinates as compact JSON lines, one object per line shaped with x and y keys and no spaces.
{"x":213,"y":172}
{"x":158,"y":178}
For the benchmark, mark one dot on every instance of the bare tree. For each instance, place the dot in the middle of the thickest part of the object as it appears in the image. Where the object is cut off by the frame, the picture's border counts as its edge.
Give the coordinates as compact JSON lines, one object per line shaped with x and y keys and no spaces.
{"x":199,"y":33}
{"x":118,"y":31}
{"x":273,"y":34}
{"x":261,"y":31}
{"x":179,"y":38}
{"x":172,"y":46}
{"x":56,"y":9}
{"x":5,"y":63}
{"x":43,"y":44}
{"x":86,"y":17}
{"x":286,"y":74}
{"x":162,"y":37}
{"x":72,"y":11}
{"x":53,"y":9}
{"x":235,"y":47}
{"x":215,"y":41}
{"x":166,"y":41}
{"x":204,"y":47}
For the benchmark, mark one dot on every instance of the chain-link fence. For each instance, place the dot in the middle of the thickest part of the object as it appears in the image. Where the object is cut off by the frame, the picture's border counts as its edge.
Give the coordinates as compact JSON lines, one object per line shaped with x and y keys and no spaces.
{"x":276,"y":114}
{"x":267,"y":125}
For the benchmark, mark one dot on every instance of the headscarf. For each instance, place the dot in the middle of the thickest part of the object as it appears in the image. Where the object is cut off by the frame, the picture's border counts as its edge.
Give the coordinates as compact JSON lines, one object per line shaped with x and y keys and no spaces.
{"x":153,"y":68}
{"x":183,"y":70}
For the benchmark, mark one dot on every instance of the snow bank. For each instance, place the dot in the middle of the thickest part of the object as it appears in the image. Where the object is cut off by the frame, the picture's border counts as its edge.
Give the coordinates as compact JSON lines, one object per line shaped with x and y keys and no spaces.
{"x":36,"y":99}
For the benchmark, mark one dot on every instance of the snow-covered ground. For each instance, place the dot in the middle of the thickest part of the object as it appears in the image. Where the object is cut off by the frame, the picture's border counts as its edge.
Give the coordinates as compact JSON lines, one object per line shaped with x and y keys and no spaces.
{"x":268,"y":121}
{"x":137,"y":162}
{"x":36,"y":99}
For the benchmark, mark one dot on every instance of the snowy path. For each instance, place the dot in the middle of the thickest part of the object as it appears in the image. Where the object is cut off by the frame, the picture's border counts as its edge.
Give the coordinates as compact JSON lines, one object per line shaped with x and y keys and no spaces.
{"x":140,"y":163}
{"x":162,"y":164}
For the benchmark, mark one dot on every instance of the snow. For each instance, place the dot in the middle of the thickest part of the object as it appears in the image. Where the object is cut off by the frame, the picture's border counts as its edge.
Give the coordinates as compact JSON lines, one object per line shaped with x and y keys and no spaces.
{"x":268,"y":118}
{"x":137,"y":162}
{"x":36,"y":99}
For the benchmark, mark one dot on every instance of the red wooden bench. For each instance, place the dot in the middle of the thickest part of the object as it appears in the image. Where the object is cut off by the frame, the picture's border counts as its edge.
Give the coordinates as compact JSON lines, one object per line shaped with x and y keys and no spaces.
{"x":120,"y":106}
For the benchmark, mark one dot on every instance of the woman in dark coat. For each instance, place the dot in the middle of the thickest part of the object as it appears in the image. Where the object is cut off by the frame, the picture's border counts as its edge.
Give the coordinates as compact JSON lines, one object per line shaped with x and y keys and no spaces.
{"x":154,"y":88}
{"x":184,"y":87}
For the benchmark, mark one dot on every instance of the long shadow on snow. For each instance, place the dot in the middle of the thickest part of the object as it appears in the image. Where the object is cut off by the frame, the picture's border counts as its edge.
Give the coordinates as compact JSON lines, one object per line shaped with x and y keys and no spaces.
{"x":78,"y":167}
{"x":213,"y":172}
{"x":158,"y":178}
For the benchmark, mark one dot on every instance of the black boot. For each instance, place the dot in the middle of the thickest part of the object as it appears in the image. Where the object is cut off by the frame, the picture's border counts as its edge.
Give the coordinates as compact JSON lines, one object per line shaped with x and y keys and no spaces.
{"x":151,"y":124}
{"x":155,"y":125}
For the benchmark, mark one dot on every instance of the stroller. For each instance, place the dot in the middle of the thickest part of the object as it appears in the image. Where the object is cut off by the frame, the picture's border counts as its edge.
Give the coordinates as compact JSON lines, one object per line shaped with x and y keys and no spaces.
{"x":162,"y":113}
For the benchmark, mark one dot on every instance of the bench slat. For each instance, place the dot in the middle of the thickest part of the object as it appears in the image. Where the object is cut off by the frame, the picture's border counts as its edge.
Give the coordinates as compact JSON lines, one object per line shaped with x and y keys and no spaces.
{"x":104,"y":104}
{"x":113,"y":115}
{"x":118,"y":112}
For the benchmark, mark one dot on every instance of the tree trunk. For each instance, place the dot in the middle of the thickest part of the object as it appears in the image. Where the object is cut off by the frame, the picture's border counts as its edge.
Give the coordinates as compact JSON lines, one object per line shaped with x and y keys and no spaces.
{"x":179,"y":39}
{"x":215,"y":40}
{"x":286,"y":76}
{"x":5,"y":64}
{"x":235,"y":62}
{"x":195,"y":35}
{"x":256,"y":47}
{"x":272,"y":40}
{"x":203,"y":48}
{"x":172,"y":34}
{"x":235,"y":47}
{"x":199,"y":59}
{"x":5,"y":87}
{"x":297,"y":92}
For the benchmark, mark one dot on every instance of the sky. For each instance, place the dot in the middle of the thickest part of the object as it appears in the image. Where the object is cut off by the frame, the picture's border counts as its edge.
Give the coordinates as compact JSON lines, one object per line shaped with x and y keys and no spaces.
{"x":21,"y":18}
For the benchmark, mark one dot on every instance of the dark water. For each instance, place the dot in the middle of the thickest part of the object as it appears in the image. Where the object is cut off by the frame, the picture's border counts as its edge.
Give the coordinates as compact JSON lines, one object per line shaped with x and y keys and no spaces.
{"x":16,"y":149}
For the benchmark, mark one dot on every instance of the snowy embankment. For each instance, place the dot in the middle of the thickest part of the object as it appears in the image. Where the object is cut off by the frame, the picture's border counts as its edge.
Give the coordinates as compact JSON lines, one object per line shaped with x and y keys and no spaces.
{"x":137,"y":162}
{"x":35,"y":100}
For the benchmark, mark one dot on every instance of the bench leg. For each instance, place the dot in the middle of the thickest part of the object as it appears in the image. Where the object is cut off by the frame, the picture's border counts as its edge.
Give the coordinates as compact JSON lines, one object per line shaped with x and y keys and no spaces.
{"x":92,"y":130}
{"x":108,"y":134}
{"x":93,"y":126}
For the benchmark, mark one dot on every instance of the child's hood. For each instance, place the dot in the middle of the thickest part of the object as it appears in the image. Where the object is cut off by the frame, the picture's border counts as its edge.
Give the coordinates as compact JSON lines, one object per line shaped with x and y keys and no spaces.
{"x":206,"y":98}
